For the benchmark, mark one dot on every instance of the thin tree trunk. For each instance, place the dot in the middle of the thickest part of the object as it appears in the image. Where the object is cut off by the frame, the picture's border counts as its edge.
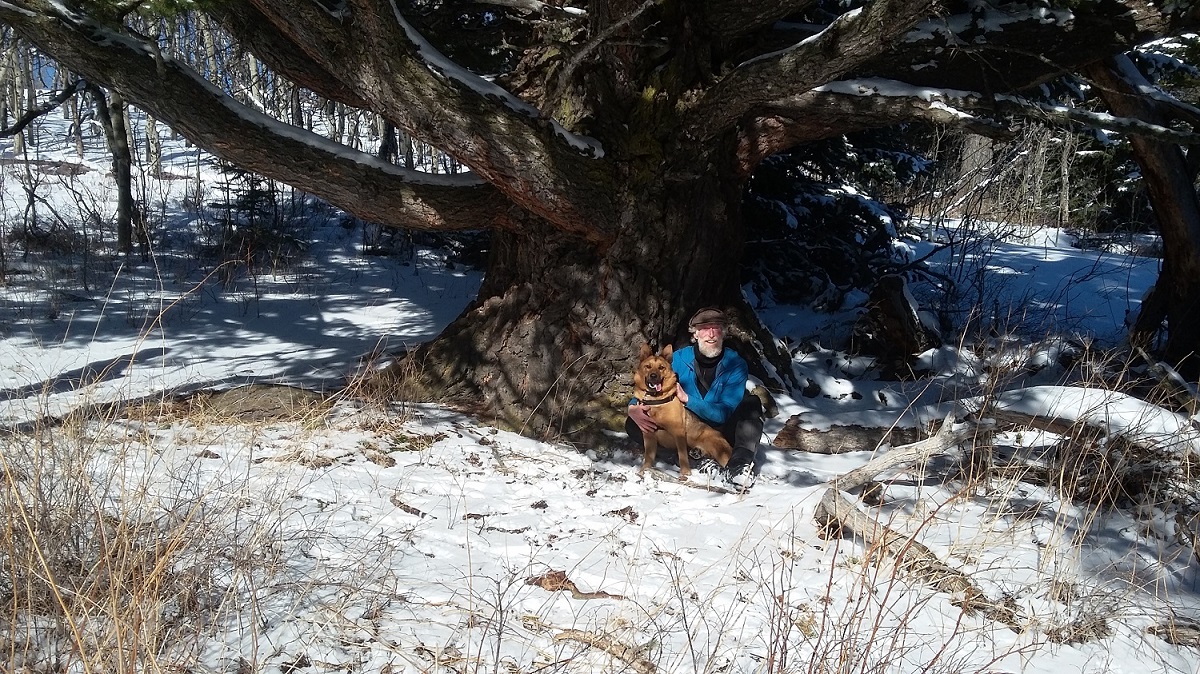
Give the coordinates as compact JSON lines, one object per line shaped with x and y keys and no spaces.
{"x":1064,"y":179}
{"x":388,"y":147}
{"x":352,"y":131}
{"x":21,"y":83}
{"x":406,"y":146}
{"x":153,"y":147}
{"x":211,"y":54}
{"x":31,"y":86}
{"x":975,"y":158}
{"x":8,"y":67}
{"x":76,"y":125}
{"x":111,"y":112}
{"x":297,"y":111}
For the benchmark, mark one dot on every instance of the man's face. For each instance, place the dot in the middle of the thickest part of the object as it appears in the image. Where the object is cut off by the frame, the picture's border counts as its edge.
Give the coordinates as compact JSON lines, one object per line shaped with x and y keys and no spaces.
{"x":710,"y":339}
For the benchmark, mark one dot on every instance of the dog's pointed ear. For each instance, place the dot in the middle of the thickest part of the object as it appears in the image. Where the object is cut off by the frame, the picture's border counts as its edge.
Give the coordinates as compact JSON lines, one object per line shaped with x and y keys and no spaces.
{"x":645,"y":352}
{"x":667,"y":351}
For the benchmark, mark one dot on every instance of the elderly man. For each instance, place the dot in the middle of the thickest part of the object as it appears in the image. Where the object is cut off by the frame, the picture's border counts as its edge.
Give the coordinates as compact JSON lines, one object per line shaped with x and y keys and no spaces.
{"x":712,"y":384}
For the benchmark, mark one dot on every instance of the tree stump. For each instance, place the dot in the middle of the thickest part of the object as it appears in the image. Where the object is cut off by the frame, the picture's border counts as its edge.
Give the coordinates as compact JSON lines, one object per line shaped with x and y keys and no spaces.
{"x":891,"y":330}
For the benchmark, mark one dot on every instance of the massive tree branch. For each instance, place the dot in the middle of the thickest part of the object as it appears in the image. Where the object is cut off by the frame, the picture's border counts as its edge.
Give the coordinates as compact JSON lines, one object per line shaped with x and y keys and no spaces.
{"x":1012,"y":46}
{"x":854,"y":105}
{"x":853,"y":39}
{"x":960,"y":52}
{"x":525,"y":154}
{"x":824,"y":113}
{"x":213,"y":120}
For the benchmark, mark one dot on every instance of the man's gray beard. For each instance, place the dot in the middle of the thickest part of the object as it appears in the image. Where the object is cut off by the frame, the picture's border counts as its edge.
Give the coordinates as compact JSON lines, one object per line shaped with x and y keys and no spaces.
{"x":709,"y":350}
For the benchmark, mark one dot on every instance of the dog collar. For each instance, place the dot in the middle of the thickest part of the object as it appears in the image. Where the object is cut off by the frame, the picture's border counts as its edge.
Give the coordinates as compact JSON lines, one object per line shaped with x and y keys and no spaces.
{"x":656,"y":401}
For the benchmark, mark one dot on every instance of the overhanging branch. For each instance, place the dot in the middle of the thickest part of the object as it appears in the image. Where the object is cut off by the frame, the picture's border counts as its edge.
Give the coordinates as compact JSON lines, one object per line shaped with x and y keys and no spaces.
{"x":1064,"y":115}
{"x":854,"y":105}
{"x":821,"y":114}
{"x":854,"y":38}
{"x":535,"y":162}
{"x":216,"y":122}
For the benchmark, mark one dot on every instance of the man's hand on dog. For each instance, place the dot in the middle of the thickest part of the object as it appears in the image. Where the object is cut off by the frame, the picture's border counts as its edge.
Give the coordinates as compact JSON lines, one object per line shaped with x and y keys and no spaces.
{"x":641,"y":416}
{"x":681,"y":394}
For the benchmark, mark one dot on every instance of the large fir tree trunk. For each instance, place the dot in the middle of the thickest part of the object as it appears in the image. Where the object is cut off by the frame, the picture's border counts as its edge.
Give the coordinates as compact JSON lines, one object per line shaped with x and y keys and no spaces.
{"x":550,"y":342}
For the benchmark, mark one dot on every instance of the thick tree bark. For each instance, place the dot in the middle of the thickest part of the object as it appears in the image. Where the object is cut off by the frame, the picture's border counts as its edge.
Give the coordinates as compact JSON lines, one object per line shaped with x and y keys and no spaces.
{"x":551,"y":341}
{"x":1176,"y":208}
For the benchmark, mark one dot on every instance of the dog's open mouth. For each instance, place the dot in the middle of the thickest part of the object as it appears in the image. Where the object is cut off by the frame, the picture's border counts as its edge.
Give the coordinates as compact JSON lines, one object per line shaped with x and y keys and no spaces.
{"x":654,"y":387}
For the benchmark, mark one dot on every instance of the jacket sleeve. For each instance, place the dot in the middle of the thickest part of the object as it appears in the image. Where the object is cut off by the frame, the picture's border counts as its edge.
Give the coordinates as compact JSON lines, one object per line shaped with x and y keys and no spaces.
{"x":726,"y":393}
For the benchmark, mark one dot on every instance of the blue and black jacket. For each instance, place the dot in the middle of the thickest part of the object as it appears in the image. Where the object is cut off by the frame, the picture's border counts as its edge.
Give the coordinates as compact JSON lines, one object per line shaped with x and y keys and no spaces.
{"x":728,"y":387}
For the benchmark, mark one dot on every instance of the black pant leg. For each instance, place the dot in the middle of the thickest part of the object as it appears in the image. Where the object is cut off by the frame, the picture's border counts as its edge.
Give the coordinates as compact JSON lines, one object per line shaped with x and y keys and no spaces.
{"x":634,"y":432}
{"x":743,"y":429}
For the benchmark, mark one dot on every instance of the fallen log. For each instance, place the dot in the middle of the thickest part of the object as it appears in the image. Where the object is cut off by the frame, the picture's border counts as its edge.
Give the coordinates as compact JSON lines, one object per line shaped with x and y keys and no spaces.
{"x":835,"y":512}
{"x":946,"y":438}
{"x":840,"y":439}
{"x":1091,"y":463}
{"x":1010,"y":419}
{"x":627,"y":654}
{"x":1178,"y":632}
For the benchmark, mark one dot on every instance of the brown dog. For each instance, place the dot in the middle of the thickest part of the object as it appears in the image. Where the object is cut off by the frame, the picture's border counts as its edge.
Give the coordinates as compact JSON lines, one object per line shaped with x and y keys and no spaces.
{"x":654,"y":385}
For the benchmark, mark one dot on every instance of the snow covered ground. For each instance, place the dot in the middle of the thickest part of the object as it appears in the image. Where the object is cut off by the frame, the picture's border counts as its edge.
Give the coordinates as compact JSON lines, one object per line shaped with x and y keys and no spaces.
{"x":414,"y":539}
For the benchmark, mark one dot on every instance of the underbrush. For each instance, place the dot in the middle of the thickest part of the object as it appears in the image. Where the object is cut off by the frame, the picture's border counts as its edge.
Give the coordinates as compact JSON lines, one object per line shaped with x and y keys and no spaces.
{"x":112,"y":565}
{"x":189,"y":538}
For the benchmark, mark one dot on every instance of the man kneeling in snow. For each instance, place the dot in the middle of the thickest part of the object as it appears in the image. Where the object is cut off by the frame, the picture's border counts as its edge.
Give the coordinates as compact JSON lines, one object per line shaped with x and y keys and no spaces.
{"x":712,"y":385}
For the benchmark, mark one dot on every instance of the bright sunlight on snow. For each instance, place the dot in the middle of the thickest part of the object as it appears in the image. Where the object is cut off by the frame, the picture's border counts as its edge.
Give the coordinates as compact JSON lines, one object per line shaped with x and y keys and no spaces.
{"x":354,"y":536}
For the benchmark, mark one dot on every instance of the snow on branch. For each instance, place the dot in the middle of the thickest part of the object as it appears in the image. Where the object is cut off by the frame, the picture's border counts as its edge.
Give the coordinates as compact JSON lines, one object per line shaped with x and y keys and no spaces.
{"x":1128,"y":71}
{"x":966,"y":104}
{"x":442,"y":65}
{"x":1062,"y":114}
{"x":535,"y":6}
{"x":853,"y":105}
{"x":850,"y":40}
{"x":984,"y":18}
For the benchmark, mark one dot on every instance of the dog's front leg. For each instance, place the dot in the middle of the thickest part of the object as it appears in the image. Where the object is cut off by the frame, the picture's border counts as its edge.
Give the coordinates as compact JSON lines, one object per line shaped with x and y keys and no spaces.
{"x":650,"y":447}
{"x":685,"y":466}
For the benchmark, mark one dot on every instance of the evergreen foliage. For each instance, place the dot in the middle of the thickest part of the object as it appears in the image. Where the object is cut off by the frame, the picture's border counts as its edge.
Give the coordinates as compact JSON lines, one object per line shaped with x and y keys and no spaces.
{"x":818,"y":229}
